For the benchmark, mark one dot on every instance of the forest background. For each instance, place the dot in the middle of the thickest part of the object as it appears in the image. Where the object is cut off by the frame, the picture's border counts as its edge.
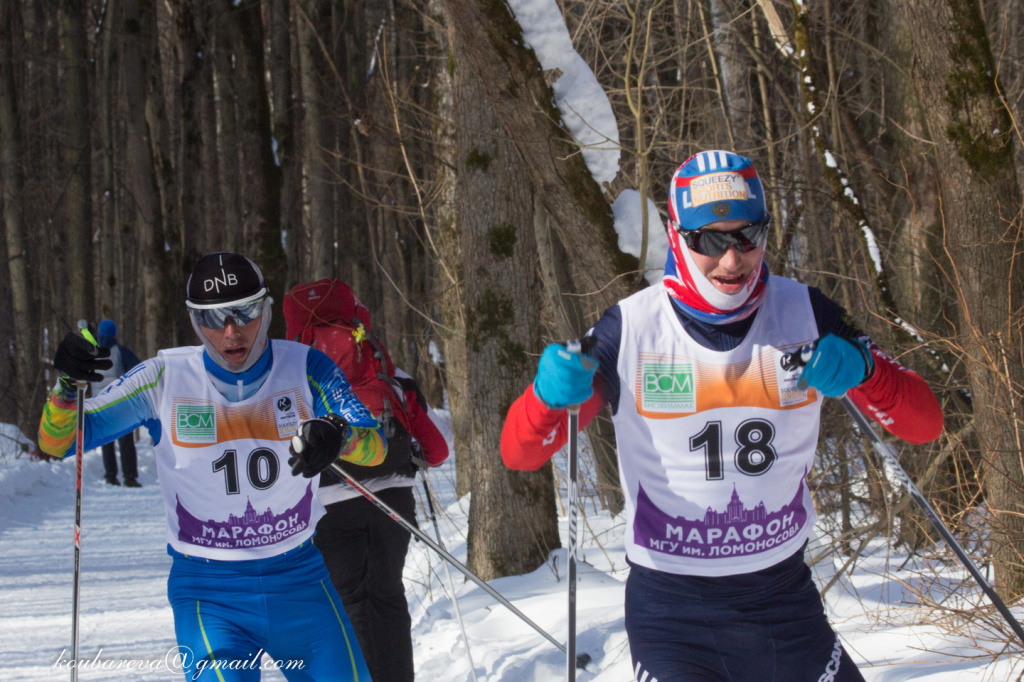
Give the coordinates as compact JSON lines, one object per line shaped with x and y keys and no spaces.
{"x":413,"y":148}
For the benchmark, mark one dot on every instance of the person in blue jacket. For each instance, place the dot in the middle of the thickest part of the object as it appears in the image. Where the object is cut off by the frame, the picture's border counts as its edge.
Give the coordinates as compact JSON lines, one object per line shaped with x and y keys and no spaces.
{"x":228,"y":419}
{"x":122,"y":359}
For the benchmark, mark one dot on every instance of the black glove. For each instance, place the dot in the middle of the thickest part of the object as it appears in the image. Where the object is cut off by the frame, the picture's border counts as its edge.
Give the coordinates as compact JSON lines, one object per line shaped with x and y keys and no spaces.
{"x":79,"y":358}
{"x":417,"y":456}
{"x":317,"y":444}
{"x":409,"y":384}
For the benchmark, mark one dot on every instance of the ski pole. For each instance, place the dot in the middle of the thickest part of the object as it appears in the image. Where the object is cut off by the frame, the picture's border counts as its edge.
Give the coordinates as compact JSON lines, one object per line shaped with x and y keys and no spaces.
{"x":383,"y":506}
{"x":448,"y":573}
{"x":83,"y":328}
{"x":575,"y":348}
{"x":892,"y":466}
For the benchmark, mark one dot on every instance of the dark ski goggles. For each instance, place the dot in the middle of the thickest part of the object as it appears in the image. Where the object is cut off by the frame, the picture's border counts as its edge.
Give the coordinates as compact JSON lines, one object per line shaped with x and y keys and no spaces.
{"x":713,"y":243}
{"x":239,"y":313}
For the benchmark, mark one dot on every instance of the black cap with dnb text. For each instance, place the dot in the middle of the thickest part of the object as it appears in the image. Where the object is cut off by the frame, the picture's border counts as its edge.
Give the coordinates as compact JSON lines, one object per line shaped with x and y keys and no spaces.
{"x":224,"y":278}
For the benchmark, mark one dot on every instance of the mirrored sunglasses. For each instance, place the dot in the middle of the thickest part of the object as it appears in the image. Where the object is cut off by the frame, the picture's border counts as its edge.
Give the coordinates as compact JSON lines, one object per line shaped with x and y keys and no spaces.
{"x":713,"y":243}
{"x":217,"y":318}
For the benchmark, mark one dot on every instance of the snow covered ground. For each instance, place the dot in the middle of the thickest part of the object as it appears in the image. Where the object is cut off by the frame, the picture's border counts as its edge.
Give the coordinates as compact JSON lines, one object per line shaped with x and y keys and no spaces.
{"x":126,"y":623}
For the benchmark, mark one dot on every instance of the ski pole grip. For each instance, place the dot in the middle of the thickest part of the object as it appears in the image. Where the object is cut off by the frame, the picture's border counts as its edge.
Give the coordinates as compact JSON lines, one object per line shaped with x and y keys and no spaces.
{"x":575,"y":346}
{"x":798,"y":359}
{"x":83,"y":329}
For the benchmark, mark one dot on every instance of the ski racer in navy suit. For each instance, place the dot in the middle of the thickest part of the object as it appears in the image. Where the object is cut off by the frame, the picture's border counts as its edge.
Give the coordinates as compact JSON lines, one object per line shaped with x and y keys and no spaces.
{"x":716,"y":436}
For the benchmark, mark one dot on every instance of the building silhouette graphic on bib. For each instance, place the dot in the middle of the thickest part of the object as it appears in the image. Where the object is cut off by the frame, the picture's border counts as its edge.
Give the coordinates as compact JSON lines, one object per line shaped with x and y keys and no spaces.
{"x":735,"y":512}
{"x":250,"y":518}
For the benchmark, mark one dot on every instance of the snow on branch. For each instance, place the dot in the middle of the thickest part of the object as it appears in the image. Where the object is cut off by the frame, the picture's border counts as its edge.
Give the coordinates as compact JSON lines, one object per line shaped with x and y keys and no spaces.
{"x":584,"y":106}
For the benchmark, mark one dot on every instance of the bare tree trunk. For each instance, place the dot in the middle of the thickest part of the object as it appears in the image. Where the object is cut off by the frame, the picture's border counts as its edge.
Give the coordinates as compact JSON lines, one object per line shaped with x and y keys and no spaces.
{"x":192,"y":29}
{"x":193,"y":51}
{"x":449,"y":280}
{"x":568,"y":324}
{"x":512,"y":519}
{"x":221,"y":215}
{"x":260,"y":176}
{"x":285,"y":133}
{"x":77,"y":117}
{"x":357,"y":200}
{"x":735,"y":70}
{"x":26,"y":386}
{"x":393,"y":235}
{"x":954,"y":75}
{"x":494,"y":49}
{"x":1006,"y":27}
{"x":317,"y":163}
{"x":106,"y":86}
{"x":228,"y":138}
{"x":378,"y":159}
{"x":141,"y":180}
{"x":174,"y":322}
{"x":919,"y":263}
{"x":514,"y":84}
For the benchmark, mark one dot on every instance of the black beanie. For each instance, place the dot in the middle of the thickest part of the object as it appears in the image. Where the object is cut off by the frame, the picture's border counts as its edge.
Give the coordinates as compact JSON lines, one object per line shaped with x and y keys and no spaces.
{"x":223,"y":277}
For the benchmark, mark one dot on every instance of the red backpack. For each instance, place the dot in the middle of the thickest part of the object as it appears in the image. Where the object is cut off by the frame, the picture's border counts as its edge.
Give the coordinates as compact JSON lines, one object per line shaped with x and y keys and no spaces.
{"x":327,"y":316}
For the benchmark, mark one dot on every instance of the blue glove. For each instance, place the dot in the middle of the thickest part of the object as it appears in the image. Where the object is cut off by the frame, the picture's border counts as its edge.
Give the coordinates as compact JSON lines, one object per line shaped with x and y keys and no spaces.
{"x":837,"y":365}
{"x":564,"y":378}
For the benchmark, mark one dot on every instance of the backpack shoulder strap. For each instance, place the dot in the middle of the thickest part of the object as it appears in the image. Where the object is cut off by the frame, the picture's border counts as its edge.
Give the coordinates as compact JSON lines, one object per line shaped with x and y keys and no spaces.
{"x":383,"y":359}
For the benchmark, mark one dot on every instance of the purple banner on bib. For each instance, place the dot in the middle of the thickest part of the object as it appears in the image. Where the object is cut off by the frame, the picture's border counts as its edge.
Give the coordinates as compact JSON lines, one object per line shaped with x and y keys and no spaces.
{"x":734,"y":531}
{"x":251,"y":529}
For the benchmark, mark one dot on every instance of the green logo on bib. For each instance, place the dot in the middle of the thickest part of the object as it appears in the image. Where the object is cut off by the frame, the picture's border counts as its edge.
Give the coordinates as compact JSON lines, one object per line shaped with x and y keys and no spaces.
{"x":667,"y":387}
{"x":196,"y":423}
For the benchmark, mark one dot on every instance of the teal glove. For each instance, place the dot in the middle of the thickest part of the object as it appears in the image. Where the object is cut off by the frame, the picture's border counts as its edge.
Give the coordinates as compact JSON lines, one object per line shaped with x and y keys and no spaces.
{"x":837,"y":365}
{"x":564,"y":378}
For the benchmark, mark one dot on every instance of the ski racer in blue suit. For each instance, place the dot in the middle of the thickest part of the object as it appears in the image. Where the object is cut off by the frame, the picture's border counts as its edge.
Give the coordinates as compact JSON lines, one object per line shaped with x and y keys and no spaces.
{"x":228,"y":419}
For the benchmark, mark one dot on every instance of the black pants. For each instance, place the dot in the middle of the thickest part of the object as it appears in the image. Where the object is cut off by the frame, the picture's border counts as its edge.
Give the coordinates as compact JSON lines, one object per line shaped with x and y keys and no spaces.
{"x":365,"y":554}
{"x":129,"y":458}
{"x":767,"y":626}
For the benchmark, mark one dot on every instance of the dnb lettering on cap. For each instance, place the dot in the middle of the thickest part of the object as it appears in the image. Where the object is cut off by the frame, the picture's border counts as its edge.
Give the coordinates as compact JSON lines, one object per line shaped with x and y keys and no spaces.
{"x":213,"y":284}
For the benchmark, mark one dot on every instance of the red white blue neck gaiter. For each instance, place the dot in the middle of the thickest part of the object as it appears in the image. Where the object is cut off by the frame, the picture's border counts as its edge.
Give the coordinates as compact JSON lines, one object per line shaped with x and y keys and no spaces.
{"x":692,"y":292}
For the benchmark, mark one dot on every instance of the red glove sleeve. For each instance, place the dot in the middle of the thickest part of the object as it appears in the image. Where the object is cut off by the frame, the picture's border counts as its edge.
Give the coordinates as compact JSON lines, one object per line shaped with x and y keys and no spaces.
{"x":899,"y":399}
{"x":533,"y":432}
{"x":435,"y":449}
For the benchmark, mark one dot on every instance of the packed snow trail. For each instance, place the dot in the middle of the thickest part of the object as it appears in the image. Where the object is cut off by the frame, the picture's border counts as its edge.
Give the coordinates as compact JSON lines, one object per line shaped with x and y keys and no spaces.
{"x":124,"y":614}
{"x":126,"y":620}
{"x":126,"y":623}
